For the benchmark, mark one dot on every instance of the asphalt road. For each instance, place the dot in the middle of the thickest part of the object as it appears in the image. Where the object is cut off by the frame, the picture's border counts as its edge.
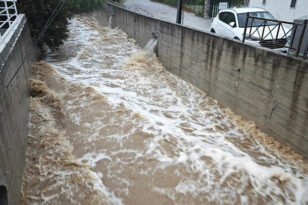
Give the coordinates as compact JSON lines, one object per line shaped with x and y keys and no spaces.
{"x":167,"y":13}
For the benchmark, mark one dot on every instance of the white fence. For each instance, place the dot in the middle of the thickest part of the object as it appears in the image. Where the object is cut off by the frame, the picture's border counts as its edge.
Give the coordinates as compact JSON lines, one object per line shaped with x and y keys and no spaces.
{"x":8,"y":13}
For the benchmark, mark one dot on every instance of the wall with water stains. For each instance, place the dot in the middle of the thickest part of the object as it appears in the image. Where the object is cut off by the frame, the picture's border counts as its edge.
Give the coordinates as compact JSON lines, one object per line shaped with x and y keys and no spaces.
{"x":16,"y":55}
{"x":258,"y":84}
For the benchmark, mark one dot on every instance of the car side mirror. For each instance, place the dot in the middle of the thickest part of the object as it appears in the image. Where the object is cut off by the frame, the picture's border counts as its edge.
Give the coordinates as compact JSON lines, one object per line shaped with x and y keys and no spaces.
{"x":232,"y":24}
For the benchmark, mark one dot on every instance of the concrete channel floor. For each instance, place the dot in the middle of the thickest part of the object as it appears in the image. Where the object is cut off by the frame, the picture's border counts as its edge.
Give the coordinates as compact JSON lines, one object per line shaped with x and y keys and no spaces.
{"x":167,"y":13}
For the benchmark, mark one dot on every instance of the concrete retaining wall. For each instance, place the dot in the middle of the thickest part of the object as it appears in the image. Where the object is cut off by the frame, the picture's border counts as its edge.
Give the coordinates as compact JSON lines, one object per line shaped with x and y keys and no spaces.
{"x":16,"y":55}
{"x":260,"y":85}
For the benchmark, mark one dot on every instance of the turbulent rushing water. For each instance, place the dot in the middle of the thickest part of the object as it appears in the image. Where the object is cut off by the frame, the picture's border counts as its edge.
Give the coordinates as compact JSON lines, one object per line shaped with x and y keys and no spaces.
{"x":110,"y":126}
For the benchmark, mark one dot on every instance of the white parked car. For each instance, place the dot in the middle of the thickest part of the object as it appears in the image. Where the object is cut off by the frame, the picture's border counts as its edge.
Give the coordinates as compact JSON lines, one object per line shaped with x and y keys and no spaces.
{"x":231,"y":23}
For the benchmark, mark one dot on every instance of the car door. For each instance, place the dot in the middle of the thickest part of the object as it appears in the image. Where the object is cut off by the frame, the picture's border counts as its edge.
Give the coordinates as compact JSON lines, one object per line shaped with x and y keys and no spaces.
{"x":223,"y":27}
{"x":222,"y":18}
{"x":229,"y":30}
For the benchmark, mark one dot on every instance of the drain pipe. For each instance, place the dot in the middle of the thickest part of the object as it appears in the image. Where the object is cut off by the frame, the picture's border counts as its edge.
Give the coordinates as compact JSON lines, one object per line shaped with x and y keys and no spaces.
{"x":3,"y":195}
{"x":152,"y":45}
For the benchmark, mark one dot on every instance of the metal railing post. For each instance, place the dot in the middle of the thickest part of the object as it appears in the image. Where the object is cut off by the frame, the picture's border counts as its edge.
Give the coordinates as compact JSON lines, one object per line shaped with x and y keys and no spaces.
{"x":293,"y":36}
{"x":251,"y":24}
{"x":265,"y":21}
{"x":277,"y":35}
{"x":179,"y":12}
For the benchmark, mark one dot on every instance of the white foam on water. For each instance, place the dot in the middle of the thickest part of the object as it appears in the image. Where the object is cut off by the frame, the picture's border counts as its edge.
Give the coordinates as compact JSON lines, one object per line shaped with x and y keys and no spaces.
{"x":92,"y":158}
{"x":98,"y":185}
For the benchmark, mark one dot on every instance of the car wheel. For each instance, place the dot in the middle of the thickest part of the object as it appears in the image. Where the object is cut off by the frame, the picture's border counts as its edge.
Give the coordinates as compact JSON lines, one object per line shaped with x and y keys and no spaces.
{"x":213,"y":31}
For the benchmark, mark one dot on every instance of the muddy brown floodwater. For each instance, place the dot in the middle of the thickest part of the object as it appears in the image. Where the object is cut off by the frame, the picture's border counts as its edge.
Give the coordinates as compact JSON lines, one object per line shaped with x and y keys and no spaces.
{"x":109,"y":125}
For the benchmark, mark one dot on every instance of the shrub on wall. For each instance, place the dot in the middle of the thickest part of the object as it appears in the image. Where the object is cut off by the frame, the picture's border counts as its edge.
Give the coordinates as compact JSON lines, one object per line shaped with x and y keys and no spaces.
{"x":79,"y":6}
{"x":169,"y":2}
{"x":238,"y":3}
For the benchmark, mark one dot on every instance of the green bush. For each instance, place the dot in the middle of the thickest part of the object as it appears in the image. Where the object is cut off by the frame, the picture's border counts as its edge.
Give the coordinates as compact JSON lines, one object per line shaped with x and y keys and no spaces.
{"x":238,"y":3}
{"x":38,"y":12}
{"x":199,"y":11}
{"x":79,"y":6}
{"x":169,"y":2}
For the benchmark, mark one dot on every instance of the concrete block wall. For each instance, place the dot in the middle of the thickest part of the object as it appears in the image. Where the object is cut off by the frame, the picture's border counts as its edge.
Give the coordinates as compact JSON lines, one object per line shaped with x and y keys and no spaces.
{"x":16,"y":55}
{"x":258,"y":84}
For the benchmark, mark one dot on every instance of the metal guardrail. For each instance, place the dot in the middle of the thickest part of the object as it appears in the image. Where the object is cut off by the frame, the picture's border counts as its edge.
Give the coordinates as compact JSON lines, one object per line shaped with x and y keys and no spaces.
{"x":273,"y":33}
{"x":8,"y":13}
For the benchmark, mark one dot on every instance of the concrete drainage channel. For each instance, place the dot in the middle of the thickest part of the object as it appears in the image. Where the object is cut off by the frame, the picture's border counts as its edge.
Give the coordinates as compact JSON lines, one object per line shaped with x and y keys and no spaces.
{"x":260,"y":85}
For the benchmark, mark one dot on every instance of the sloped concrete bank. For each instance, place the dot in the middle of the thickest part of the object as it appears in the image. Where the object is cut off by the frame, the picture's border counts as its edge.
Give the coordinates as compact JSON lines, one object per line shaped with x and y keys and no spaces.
{"x":258,"y":84}
{"x":16,"y":55}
